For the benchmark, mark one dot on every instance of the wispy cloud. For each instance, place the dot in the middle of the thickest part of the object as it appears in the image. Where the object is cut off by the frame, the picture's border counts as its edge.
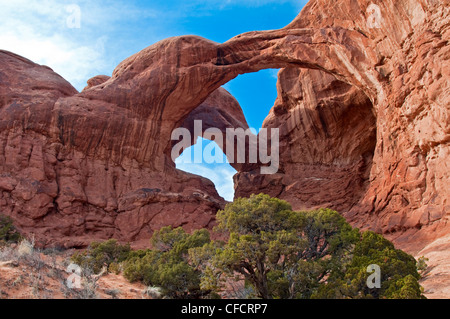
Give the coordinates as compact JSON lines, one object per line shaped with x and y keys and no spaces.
{"x":208,"y":6}
{"x":39,"y":31}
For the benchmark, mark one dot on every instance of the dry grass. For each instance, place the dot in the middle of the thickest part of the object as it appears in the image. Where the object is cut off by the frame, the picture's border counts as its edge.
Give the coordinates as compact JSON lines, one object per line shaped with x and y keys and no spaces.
{"x":30,"y":273}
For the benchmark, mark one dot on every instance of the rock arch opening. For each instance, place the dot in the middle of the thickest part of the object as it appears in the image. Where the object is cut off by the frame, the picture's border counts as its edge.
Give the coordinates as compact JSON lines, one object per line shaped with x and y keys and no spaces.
{"x":205,"y":158}
{"x":256,"y":93}
{"x":327,"y":139}
{"x":328,"y":136}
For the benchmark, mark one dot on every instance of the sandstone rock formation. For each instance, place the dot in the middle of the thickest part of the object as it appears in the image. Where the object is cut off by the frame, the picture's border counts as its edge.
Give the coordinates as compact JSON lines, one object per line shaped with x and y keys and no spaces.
{"x":386,"y":170}
{"x":63,"y":196}
{"x":362,"y":108}
{"x":395,"y":162}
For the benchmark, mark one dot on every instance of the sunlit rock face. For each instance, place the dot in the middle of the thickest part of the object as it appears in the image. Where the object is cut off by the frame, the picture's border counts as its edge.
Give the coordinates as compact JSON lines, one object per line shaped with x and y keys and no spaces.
{"x":381,"y":159}
{"x":362,"y":110}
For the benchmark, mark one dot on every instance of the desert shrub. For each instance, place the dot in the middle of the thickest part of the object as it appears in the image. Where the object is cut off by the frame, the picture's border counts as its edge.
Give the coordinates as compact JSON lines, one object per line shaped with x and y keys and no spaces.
{"x":102,"y":254}
{"x":8,"y":232}
{"x":25,"y":248}
{"x":280,"y":253}
{"x":153,"y":292}
{"x":422,"y":264}
{"x":167,"y":265}
{"x":115,"y":268}
{"x":300,"y":255}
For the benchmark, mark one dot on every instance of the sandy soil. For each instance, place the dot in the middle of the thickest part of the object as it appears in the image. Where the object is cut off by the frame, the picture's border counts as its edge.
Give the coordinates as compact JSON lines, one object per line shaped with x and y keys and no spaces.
{"x":32,"y":274}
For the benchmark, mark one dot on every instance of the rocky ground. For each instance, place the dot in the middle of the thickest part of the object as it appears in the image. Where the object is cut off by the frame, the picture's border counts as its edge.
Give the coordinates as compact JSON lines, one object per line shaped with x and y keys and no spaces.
{"x":30,"y":273}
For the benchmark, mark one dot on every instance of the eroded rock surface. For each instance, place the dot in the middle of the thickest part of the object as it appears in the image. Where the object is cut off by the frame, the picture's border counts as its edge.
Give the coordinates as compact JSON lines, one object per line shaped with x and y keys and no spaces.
{"x":65,"y":197}
{"x":382,"y":162}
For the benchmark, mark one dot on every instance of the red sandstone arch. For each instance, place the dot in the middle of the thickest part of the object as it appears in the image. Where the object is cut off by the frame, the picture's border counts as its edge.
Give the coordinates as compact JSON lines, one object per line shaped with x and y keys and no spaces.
{"x":176,"y":75}
{"x":94,"y":165}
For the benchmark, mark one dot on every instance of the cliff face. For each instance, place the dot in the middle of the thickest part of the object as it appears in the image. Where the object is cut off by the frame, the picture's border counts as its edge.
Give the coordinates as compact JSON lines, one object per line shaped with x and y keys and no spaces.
{"x":327,"y":136}
{"x":57,"y":182}
{"x":362,"y":108}
{"x":382,"y":160}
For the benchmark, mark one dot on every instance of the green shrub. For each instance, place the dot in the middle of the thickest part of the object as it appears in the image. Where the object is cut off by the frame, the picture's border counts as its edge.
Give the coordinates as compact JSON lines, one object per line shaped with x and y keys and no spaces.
{"x":275,"y":252}
{"x":422,"y":264}
{"x":8,"y":233}
{"x":115,"y":268}
{"x":399,"y":273}
{"x":102,"y":254}
{"x":168,"y":266}
{"x":280,"y":253}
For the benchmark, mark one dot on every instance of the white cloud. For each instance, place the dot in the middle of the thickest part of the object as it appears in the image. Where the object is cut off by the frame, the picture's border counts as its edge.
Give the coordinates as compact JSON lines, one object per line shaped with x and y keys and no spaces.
{"x":223,"y":4}
{"x":74,"y":63}
{"x":39,"y":31}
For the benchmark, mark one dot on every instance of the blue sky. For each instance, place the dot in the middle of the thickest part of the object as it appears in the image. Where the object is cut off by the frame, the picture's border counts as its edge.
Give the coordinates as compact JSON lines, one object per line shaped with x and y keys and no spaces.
{"x":111,"y":31}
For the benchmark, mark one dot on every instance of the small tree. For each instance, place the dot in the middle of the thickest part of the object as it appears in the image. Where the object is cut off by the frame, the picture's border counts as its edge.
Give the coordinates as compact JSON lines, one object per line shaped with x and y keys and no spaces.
{"x":279,"y":252}
{"x":399,"y":273}
{"x":285,"y":254}
{"x":262,"y":231}
{"x":168,"y":265}
{"x":102,"y":254}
